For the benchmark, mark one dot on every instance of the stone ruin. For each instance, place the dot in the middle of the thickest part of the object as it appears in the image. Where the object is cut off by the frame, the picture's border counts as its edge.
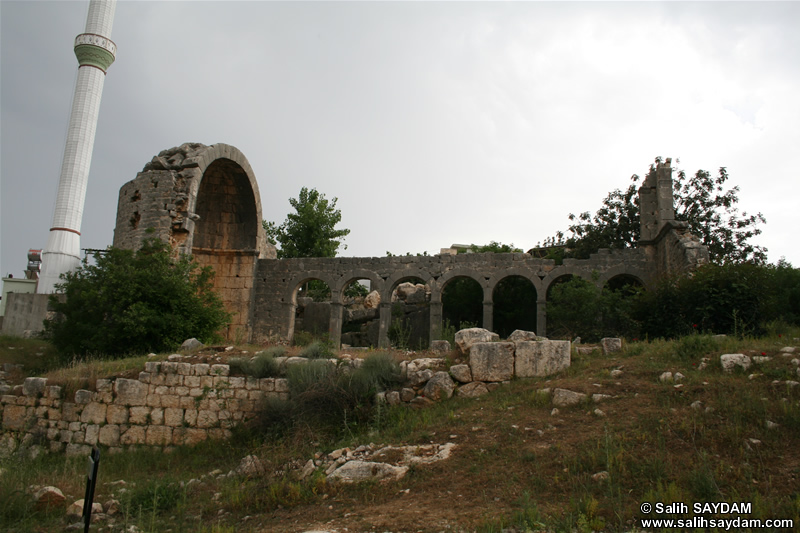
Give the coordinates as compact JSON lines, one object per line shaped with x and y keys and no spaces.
{"x":204,"y":200}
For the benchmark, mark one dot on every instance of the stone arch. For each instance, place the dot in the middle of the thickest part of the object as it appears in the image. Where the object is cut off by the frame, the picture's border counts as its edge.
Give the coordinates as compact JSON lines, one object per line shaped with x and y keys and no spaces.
{"x":398,"y":277}
{"x":615,"y":272}
{"x":515,"y":302}
{"x":563,"y":271}
{"x":290,"y":298}
{"x":526,"y":273}
{"x":341,"y":284}
{"x":444,"y":279}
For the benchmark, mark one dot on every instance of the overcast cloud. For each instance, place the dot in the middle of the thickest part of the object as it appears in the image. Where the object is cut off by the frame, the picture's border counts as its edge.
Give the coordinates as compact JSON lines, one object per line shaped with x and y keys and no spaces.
{"x":433,"y":123}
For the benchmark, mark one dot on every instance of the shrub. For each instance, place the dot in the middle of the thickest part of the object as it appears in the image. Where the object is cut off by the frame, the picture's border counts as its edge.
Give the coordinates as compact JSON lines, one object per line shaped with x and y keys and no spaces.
{"x":135,"y":302}
{"x":317,"y":350}
{"x":263,"y":365}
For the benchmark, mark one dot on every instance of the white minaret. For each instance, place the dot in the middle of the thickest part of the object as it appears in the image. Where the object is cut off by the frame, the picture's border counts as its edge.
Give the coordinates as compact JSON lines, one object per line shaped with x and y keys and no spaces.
{"x":95,"y":51}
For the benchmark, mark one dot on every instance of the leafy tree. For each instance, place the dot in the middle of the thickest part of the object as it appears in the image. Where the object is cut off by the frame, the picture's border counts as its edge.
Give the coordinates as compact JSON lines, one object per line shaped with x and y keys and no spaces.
{"x":700,"y":200}
{"x":135,"y":302}
{"x":311,"y":230}
{"x":494,"y":247}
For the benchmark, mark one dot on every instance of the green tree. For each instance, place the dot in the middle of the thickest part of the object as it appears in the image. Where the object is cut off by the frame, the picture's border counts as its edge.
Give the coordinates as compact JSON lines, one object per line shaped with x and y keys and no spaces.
{"x":311,"y":230}
{"x":134,"y":302}
{"x":700,"y":200}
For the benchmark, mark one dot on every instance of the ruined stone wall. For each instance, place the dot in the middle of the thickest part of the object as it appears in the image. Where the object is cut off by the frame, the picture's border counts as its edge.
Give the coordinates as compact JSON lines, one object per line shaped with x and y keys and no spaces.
{"x":170,"y":404}
{"x":276,"y":282}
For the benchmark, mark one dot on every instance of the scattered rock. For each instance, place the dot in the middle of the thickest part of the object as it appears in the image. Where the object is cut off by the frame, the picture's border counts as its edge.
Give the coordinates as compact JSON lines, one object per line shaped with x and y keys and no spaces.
{"x":600,"y":476}
{"x":191,"y":344}
{"x":598,"y":412}
{"x":47,"y":497}
{"x":730,"y":361}
{"x":250,"y":466}
{"x":678,"y":377}
{"x":440,"y":386}
{"x":75,"y":510}
{"x":519,"y":335}
{"x":761,"y":359}
{"x":788,"y":349}
{"x":564,"y":397}
{"x":372,"y":300}
{"x":666,"y":377}
{"x":472,"y":390}
{"x":696,"y":405}
{"x":611,"y":345}
{"x":465,"y":338}
{"x":616,"y":373}
{"x":461,"y":373}
{"x":772,"y":425}
{"x":597,"y":398}
{"x":440,"y":346}
{"x":355,"y":471}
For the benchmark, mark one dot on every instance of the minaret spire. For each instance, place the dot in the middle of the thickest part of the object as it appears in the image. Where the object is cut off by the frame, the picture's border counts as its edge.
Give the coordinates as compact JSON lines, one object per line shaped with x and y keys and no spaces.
{"x":95,"y":52}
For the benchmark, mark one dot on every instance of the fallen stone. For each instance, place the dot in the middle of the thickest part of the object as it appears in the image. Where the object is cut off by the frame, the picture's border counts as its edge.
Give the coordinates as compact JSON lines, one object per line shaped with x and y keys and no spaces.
{"x":461,"y":373}
{"x":540,"y":358}
{"x":308,"y":469}
{"x":111,"y":507}
{"x":191,"y":344}
{"x":47,"y":497}
{"x":564,"y":397}
{"x":666,"y":377}
{"x":519,"y":335}
{"x":491,"y":361}
{"x":597,"y":398}
{"x":600,"y":476}
{"x":761,"y":359}
{"x":611,"y":345}
{"x":372,"y":300}
{"x":250,"y":466}
{"x":439,"y":387}
{"x":616,"y":373}
{"x":465,"y":338}
{"x":75,"y":510}
{"x":730,"y":361}
{"x":440,"y":346}
{"x":472,"y":390}
{"x":356,"y":471}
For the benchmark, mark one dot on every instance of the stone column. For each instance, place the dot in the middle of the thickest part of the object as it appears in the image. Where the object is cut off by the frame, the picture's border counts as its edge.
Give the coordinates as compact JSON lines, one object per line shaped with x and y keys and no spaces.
{"x":436,"y":321}
{"x":335,"y":325}
{"x":385,"y":321}
{"x":289,"y":310}
{"x":488,"y":315}
{"x":541,"y":318}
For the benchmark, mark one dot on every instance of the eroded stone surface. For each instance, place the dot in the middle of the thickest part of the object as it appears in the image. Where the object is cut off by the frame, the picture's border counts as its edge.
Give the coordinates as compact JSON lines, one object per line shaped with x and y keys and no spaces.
{"x":541,"y":358}
{"x":492,"y":361}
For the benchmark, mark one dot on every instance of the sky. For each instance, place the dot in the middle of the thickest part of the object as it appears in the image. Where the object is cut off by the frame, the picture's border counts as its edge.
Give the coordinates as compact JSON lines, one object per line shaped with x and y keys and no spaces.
{"x":432,"y":123}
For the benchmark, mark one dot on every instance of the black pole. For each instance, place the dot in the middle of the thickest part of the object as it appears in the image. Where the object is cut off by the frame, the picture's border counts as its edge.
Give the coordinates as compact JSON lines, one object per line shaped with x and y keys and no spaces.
{"x":91,"y":482}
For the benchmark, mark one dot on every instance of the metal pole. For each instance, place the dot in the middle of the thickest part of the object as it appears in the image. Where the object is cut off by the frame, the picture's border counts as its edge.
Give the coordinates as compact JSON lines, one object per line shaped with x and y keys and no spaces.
{"x":91,"y":482}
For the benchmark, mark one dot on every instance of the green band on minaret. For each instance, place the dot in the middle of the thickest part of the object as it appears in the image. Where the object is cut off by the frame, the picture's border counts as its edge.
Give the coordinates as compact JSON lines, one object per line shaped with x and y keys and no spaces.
{"x":95,"y":56}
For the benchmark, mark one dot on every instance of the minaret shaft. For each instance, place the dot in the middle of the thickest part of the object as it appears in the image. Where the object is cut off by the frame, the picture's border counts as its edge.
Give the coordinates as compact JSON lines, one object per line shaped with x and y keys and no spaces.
{"x":95,"y":52}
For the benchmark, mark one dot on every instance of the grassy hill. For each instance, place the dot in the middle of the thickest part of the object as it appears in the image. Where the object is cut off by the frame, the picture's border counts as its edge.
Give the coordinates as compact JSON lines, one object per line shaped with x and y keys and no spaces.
{"x":518,"y":465}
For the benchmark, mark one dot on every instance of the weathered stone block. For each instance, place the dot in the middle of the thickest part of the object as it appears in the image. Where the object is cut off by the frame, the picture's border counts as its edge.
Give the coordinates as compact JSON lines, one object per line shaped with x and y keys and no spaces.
{"x":461,"y":373}
{"x":173,"y":417}
{"x":541,"y":358}
{"x":730,"y":361}
{"x":158,"y":436}
{"x":130,"y":392}
{"x":565,"y":397}
{"x":439,"y":387}
{"x":109,"y":435}
{"x":168,"y":367}
{"x":157,"y":416}
{"x":492,"y":361}
{"x":611,"y":345}
{"x":466,"y":338}
{"x":220,"y":370}
{"x":139,"y":415}
{"x":117,"y":414}
{"x":207,"y":418}
{"x":92,"y":432}
{"x":188,"y":436}
{"x":14,"y":417}
{"x":472,"y":390}
{"x":83,"y":397}
{"x":521,"y":335}
{"x":94,"y":413}
{"x":34,"y":387}
{"x":190,"y":416}
{"x":200,"y":369}
{"x":169,"y":401}
{"x":103,"y":385}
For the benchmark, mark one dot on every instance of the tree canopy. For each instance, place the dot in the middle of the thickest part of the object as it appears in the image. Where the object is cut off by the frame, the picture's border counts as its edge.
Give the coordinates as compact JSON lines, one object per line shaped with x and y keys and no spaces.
{"x":311,"y":230}
{"x":700,"y":200}
{"x":134,"y":302}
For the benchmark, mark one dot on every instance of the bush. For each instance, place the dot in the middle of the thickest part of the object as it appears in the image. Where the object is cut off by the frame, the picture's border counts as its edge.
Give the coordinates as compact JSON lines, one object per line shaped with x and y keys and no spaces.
{"x":263,"y":365}
{"x":330,"y":397}
{"x":135,"y":302}
{"x":317,"y":350}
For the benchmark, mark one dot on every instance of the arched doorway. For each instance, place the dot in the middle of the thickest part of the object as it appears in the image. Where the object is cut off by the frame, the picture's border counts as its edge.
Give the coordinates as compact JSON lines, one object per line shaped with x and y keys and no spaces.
{"x":514,"y":305}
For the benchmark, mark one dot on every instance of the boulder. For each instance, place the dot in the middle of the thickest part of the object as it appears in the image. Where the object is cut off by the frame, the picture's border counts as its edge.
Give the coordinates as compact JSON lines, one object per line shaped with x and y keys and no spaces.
{"x":250,"y":466}
{"x":492,"y":361}
{"x":372,"y":300}
{"x":472,"y":390}
{"x":465,"y":338}
{"x":191,"y":344}
{"x":461,"y":373}
{"x":439,"y":386}
{"x":730,"y":361}
{"x":542,"y":358}
{"x":415,"y":379}
{"x":520,"y":335}
{"x":76,"y":509}
{"x":355,"y":471}
{"x":48,"y":497}
{"x":411,"y":293}
{"x":564,"y":397}
{"x":611,"y":345}
{"x":440,"y":346}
